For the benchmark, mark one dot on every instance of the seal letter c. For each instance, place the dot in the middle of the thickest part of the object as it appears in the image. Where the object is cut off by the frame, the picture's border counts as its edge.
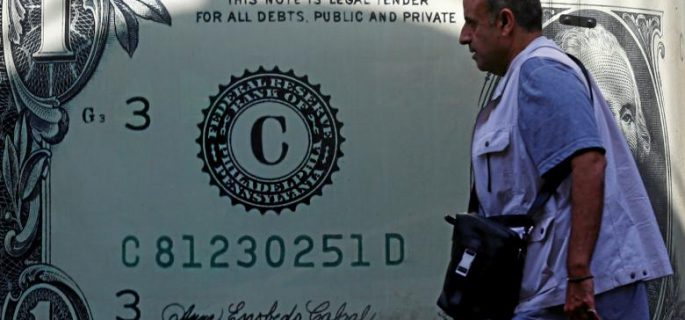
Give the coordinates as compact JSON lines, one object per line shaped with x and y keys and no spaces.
{"x":258,"y":143}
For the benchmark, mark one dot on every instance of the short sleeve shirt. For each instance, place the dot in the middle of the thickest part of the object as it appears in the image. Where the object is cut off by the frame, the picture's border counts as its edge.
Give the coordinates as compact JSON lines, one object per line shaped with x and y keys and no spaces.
{"x":556,"y":118}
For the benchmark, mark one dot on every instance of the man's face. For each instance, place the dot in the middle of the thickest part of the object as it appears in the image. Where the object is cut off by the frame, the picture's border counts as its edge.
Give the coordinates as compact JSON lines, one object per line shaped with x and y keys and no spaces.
{"x":481,"y":34}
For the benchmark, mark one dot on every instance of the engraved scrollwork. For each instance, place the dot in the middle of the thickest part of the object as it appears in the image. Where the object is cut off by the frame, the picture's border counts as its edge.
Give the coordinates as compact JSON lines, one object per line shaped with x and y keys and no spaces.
{"x":48,"y":121}
{"x":647,"y":26}
{"x":24,"y":167}
{"x":126,"y":13}
{"x":647,"y":29}
{"x":34,"y":87}
{"x":45,"y":292}
{"x":18,"y":14}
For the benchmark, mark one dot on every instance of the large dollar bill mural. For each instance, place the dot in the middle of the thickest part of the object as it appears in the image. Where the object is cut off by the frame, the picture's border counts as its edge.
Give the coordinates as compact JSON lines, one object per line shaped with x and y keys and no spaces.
{"x":270,"y":159}
{"x":624,"y":52}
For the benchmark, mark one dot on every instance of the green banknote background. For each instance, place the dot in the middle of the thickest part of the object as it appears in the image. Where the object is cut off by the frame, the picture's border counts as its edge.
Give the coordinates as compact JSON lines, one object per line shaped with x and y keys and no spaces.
{"x":121,"y":204}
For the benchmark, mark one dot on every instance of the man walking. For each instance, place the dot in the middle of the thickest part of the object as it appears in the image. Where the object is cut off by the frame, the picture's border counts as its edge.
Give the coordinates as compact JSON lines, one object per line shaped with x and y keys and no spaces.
{"x":596,"y":240}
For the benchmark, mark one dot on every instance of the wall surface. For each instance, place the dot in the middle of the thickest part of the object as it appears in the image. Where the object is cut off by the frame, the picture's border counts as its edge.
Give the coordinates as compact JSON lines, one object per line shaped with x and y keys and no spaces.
{"x":291,"y":159}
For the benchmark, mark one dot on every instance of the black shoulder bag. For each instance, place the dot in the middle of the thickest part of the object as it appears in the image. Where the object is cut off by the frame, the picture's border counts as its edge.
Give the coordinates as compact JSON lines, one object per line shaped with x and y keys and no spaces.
{"x":484,"y":274}
{"x":483,"y":278}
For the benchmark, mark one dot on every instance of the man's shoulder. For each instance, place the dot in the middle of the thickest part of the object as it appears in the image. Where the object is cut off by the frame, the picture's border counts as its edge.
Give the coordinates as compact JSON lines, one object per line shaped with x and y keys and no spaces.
{"x":536,"y":67}
{"x":548,"y":75}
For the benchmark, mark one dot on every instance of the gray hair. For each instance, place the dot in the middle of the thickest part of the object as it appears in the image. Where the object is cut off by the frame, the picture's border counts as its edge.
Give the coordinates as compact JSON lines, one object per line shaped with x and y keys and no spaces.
{"x":528,"y":13}
{"x":608,"y":62}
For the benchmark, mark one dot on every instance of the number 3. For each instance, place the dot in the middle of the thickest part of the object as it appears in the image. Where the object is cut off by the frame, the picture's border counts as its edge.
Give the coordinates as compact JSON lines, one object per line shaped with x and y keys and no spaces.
{"x":141,"y":113}
{"x":132,"y":306}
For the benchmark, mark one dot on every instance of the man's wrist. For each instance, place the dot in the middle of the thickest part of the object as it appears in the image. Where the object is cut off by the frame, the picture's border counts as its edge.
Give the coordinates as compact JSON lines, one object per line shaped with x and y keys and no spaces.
{"x":580,"y":279}
{"x":577,"y":270}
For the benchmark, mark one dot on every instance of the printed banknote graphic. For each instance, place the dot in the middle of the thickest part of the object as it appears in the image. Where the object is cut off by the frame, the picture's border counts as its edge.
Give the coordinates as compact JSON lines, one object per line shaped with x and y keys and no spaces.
{"x":282,"y":159}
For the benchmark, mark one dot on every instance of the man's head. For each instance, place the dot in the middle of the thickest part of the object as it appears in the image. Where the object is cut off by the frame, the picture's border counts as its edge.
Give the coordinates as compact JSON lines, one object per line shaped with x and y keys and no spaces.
{"x":497,"y":30}
{"x":601,"y":53}
{"x":528,"y":13}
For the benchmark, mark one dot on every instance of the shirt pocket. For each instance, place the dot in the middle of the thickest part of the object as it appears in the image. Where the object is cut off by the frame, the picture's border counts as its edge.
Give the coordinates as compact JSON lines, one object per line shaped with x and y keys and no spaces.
{"x":538,"y":275}
{"x":491,"y":142}
{"x":490,"y":157}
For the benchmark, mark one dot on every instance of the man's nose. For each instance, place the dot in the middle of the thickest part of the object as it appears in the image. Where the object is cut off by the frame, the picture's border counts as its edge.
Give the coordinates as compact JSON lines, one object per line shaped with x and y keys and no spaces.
{"x":464,"y":37}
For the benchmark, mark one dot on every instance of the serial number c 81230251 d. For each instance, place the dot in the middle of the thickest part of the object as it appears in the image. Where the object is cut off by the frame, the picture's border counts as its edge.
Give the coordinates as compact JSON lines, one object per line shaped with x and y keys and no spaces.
{"x":276,"y":251}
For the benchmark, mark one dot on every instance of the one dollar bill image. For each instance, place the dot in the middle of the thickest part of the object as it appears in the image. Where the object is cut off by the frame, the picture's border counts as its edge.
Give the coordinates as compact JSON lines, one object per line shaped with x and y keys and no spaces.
{"x":259,"y":159}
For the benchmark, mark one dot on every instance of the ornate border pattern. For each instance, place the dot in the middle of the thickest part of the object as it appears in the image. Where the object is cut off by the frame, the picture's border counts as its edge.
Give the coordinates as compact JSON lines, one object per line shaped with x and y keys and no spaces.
{"x":38,"y":123}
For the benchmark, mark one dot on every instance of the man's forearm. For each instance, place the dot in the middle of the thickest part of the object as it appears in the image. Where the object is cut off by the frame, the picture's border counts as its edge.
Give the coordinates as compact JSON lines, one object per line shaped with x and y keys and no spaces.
{"x":587,"y":200}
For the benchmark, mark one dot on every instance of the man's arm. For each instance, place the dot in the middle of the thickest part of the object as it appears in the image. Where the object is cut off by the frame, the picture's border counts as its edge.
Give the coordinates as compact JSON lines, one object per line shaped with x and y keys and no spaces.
{"x":587,"y":199}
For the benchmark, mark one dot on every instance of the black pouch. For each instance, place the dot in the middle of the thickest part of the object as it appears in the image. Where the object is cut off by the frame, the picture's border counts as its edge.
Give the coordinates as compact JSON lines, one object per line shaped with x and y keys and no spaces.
{"x":484,"y":274}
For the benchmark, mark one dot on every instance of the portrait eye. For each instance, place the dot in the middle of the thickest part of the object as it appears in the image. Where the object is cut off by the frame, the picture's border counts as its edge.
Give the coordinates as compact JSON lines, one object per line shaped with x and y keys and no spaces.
{"x":627,"y":114}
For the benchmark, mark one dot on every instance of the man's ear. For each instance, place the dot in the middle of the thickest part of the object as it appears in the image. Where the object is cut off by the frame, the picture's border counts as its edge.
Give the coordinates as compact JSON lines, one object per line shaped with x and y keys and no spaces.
{"x":506,"y":21}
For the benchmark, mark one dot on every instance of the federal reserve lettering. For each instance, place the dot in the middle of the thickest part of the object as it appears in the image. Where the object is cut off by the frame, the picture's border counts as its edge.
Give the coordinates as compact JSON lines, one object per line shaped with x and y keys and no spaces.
{"x":262,"y":173}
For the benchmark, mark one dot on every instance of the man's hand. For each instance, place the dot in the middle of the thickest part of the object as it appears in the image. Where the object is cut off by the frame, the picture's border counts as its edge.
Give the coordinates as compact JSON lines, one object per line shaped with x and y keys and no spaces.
{"x":580,"y":301}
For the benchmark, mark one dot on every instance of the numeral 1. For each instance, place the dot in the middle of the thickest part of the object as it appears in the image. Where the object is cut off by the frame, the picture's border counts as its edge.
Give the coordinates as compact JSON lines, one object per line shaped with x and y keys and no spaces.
{"x":54,"y":44}
{"x":360,"y":253}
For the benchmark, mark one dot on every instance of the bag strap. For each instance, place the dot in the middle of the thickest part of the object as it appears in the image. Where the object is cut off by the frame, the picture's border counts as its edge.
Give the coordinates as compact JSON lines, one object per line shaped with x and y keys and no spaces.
{"x":585,"y":73}
{"x":580,"y":65}
{"x":551,"y":184}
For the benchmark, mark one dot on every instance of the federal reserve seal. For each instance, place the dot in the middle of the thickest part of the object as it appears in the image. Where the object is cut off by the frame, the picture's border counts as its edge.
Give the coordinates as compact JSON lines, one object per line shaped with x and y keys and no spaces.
{"x":270,"y":140}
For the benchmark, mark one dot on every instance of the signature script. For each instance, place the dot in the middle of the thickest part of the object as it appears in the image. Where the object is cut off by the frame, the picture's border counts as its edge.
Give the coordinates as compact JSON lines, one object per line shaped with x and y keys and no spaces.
{"x":176,"y":311}
{"x":238,"y":311}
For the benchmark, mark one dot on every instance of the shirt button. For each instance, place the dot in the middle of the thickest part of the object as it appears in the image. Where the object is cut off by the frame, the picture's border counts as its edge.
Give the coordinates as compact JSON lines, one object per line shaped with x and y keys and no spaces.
{"x":632,"y":275}
{"x":487,"y":143}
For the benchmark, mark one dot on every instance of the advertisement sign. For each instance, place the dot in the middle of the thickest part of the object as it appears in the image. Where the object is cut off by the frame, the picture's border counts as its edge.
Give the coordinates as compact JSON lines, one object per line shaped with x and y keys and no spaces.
{"x":277,"y":159}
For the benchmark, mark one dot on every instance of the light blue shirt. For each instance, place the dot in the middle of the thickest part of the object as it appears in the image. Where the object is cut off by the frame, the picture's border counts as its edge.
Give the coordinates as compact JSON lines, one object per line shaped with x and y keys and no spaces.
{"x":556,"y":116}
{"x":542,"y":116}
